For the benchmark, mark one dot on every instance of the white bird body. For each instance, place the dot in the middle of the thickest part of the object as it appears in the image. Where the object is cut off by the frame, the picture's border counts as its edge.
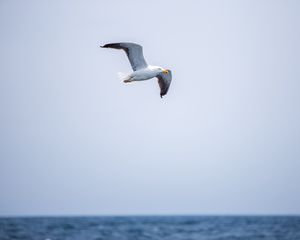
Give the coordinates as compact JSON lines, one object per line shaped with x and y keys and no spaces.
{"x":145,"y":73}
{"x":141,"y":70}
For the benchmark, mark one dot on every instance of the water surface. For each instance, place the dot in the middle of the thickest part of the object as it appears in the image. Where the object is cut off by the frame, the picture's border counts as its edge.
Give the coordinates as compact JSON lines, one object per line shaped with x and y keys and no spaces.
{"x":135,"y":228}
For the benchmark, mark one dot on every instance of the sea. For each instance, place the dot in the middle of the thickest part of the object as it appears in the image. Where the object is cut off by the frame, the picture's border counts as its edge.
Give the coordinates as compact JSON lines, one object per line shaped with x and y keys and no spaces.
{"x":151,"y":227}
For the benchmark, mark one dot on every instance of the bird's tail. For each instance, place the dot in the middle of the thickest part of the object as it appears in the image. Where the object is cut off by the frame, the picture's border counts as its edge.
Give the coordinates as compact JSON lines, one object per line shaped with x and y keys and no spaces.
{"x":124,"y":76}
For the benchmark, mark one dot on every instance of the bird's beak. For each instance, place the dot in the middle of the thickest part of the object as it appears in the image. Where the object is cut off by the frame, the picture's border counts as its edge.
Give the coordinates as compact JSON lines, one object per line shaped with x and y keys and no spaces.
{"x":165,"y":71}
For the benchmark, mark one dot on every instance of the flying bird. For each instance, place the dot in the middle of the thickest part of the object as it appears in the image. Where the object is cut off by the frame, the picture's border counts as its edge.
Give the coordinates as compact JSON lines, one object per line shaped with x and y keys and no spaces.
{"x":141,"y":70}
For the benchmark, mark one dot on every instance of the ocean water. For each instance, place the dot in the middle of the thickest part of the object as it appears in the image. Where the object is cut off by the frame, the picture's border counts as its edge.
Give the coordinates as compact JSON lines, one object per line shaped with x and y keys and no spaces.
{"x":140,"y":228}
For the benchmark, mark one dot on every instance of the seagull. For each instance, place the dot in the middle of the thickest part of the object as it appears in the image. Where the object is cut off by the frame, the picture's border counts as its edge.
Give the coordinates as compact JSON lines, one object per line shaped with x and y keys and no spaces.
{"x":141,"y":70}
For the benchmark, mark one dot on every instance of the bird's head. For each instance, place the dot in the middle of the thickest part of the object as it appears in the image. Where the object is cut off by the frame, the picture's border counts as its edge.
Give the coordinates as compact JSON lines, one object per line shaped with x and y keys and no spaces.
{"x":166,"y":71}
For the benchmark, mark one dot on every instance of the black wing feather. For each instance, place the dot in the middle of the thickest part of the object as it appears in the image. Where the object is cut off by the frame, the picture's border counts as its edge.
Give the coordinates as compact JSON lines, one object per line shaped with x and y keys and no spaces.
{"x":164,"y":81}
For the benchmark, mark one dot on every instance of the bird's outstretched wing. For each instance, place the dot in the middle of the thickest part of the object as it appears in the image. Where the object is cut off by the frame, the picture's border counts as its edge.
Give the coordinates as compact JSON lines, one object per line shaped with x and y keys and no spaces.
{"x":134,"y":53}
{"x":164,"y":81}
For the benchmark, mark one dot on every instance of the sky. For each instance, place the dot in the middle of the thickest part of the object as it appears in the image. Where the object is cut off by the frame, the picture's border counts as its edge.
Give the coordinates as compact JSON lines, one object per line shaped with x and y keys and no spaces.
{"x":75,"y":140}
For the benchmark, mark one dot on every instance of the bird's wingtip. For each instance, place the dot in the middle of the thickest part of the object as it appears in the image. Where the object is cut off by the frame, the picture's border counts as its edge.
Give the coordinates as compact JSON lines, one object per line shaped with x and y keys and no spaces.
{"x":103,"y":46}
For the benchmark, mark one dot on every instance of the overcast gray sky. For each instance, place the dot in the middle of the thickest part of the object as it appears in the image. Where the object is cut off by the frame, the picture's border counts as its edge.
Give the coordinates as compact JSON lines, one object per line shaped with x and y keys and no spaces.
{"x":224,"y":140}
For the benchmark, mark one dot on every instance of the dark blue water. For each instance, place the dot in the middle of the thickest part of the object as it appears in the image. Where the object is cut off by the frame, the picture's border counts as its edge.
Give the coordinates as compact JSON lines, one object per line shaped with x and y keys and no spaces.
{"x":135,"y":228}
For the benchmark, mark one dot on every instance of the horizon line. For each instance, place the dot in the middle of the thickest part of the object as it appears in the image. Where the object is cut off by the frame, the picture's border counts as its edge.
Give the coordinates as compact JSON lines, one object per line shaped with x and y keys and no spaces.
{"x":151,"y":215}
